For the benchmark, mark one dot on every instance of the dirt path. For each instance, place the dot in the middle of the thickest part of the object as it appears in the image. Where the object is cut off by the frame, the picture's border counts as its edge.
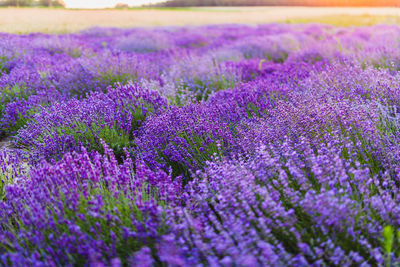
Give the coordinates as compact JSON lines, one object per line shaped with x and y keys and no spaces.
{"x":5,"y":143}
{"x":23,"y":20}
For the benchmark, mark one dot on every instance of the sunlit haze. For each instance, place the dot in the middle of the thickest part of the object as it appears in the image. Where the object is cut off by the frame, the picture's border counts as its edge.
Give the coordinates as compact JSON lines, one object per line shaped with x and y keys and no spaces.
{"x":105,"y":3}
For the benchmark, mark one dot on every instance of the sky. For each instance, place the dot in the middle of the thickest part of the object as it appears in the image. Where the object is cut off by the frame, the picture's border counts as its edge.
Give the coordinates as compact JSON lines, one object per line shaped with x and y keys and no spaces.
{"x":105,"y":3}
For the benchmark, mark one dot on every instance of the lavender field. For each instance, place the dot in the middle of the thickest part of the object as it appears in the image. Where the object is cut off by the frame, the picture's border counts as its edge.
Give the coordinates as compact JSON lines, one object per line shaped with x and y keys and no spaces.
{"x":229,"y":145}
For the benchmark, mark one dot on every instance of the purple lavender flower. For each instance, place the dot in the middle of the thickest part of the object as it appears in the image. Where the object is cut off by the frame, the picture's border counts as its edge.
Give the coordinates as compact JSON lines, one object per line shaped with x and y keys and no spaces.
{"x":114,"y":117}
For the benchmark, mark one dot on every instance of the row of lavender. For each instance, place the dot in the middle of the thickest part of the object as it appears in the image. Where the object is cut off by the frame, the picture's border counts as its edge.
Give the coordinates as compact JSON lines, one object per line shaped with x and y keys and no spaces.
{"x":276,"y":145}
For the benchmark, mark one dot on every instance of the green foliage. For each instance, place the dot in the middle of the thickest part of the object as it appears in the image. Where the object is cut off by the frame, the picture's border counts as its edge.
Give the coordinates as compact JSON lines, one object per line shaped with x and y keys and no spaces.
{"x":106,"y":222}
{"x":8,"y":95}
{"x":124,"y":210}
{"x":390,"y":243}
{"x":313,"y":233}
{"x":367,"y":152}
{"x":196,"y":152}
{"x":13,"y":94}
{"x":388,"y":235}
{"x":3,"y":67}
{"x":21,"y":121}
{"x":6,"y":177}
{"x":111,"y":77}
{"x":200,"y":89}
{"x":89,"y":136}
{"x":30,"y":3}
{"x":8,"y":172}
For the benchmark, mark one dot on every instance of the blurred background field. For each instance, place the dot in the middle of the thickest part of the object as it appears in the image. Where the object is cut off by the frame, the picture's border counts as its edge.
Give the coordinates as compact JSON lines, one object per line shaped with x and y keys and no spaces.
{"x":59,"y":20}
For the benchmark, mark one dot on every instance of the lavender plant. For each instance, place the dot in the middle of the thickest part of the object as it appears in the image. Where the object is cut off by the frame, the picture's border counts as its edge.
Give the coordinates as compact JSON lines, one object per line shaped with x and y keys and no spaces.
{"x":89,"y":210}
{"x":220,"y":145}
{"x":113,"y":117}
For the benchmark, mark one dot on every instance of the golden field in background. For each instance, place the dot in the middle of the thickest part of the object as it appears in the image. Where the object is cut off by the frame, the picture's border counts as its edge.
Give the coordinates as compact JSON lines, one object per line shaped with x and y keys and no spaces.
{"x":24,"y":20}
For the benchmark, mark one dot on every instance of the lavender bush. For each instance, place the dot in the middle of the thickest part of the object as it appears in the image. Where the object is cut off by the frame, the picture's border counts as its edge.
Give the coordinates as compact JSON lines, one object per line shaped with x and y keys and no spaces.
{"x":230,"y":145}
{"x":113,"y":117}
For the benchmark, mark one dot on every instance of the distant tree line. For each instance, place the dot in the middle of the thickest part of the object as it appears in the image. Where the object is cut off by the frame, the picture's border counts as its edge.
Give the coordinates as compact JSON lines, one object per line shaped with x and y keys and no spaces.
{"x":186,"y":3}
{"x":47,"y":3}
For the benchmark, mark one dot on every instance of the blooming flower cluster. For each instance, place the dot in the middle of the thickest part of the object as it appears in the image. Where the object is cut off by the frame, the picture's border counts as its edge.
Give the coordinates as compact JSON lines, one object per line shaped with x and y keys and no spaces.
{"x":275,"y":145}
{"x":113,"y":117}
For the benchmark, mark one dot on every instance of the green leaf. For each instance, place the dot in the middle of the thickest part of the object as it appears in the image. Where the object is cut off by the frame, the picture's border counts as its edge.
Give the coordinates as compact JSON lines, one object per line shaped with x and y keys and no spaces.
{"x":388,"y":235}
